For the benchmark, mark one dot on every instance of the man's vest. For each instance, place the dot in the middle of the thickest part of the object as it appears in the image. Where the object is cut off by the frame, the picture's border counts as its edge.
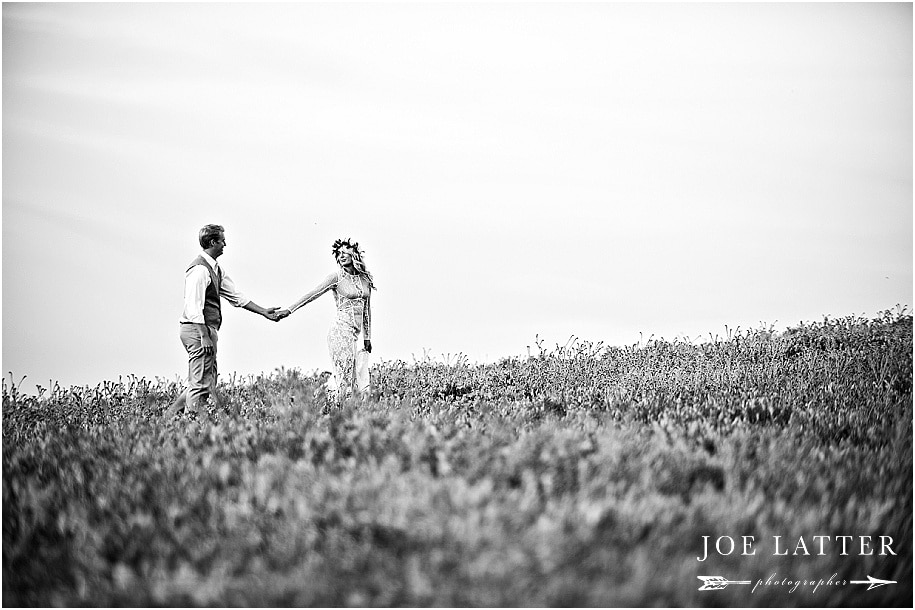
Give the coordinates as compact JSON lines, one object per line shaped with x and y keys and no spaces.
{"x":212,"y":313}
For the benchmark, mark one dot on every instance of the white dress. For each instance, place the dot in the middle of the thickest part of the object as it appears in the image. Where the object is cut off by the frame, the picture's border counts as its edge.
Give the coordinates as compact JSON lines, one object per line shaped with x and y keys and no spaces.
{"x":352,"y":325}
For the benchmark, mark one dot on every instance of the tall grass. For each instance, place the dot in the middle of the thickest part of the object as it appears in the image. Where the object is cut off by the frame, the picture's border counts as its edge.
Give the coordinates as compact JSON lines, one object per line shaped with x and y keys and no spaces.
{"x":583,"y":475}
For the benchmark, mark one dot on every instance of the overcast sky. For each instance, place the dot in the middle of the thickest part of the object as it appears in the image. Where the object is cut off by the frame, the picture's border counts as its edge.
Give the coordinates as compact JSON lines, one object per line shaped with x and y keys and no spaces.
{"x":511,"y":170}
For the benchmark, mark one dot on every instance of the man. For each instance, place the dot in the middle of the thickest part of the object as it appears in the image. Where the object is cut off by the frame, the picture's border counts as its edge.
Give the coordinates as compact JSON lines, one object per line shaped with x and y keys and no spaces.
{"x":205,"y":282}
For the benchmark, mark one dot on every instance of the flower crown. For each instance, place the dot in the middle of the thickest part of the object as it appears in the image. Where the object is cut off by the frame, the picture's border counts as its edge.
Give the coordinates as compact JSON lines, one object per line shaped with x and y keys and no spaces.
{"x":346,"y":243}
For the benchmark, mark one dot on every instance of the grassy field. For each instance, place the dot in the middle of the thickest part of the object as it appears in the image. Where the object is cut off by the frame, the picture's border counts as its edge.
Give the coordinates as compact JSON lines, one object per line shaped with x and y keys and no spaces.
{"x":584,"y":475}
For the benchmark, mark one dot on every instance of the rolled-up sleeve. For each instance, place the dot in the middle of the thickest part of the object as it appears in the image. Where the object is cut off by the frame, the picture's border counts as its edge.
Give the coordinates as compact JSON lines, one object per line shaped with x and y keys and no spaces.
{"x":230,"y":293}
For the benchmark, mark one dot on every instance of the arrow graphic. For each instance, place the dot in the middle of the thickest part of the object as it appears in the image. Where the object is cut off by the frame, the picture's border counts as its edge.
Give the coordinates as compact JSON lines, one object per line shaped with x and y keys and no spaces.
{"x":716,"y":583}
{"x":873,"y":582}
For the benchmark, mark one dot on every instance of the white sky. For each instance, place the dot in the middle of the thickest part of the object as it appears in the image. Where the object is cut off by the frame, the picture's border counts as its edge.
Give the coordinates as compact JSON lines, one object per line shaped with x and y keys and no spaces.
{"x":596,"y":170}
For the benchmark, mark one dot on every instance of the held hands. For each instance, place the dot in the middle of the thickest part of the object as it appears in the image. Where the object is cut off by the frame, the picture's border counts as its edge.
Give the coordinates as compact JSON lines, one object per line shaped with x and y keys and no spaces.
{"x":276,"y":314}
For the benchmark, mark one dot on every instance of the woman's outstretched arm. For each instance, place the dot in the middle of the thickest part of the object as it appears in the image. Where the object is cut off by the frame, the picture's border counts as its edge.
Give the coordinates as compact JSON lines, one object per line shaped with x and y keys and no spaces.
{"x":329,"y":282}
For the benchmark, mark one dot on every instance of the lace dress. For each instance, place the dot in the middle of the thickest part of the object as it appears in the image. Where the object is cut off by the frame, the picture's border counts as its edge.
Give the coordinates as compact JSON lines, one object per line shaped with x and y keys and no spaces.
{"x":352,"y":295}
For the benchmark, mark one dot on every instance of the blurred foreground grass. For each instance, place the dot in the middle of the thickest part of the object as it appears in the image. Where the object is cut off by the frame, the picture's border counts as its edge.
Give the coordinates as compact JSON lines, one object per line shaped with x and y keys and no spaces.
{"x":581,"y":476}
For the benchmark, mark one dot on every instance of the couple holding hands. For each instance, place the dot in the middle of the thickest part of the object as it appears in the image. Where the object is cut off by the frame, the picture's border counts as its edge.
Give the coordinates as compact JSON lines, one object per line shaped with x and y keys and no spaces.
{"x":205,"y":283}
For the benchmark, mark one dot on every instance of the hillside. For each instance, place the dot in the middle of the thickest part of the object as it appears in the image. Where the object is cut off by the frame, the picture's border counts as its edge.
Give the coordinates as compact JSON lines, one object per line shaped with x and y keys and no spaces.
{"x":585,"y":475}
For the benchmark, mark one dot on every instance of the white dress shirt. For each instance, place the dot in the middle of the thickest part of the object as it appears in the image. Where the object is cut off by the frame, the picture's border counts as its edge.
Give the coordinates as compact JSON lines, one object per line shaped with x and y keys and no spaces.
{"x":196,"y":281}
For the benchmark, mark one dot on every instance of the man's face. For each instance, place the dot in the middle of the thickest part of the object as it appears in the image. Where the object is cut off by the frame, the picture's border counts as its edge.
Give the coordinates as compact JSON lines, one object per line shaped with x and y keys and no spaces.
{"x":218,"y":245}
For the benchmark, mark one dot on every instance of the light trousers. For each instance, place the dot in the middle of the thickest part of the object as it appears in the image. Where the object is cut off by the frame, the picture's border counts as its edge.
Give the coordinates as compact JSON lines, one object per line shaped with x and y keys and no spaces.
{"x":201,"y":366}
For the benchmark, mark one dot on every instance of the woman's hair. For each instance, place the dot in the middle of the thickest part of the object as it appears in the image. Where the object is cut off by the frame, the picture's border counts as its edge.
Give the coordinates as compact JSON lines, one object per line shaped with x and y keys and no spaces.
{"x":208,"y":234}
{"x":358,"y":260}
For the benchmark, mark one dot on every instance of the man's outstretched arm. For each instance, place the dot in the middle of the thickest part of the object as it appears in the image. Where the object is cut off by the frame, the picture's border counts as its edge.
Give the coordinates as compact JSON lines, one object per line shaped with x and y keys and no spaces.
{"x":269,"y":313}
{"x":230,"y":293}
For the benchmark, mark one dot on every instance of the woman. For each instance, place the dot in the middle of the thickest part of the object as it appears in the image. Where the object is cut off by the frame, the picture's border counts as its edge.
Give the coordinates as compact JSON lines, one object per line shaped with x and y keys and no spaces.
{"x":352,"y":285}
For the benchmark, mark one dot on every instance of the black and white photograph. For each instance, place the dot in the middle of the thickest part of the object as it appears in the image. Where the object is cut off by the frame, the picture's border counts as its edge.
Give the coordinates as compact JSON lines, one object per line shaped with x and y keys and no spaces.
{"x":457,"y":304}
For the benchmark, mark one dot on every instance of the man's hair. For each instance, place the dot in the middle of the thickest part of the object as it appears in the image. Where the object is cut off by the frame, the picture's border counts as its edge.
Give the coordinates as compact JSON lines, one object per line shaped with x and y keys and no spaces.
{"x":209,"y":234}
